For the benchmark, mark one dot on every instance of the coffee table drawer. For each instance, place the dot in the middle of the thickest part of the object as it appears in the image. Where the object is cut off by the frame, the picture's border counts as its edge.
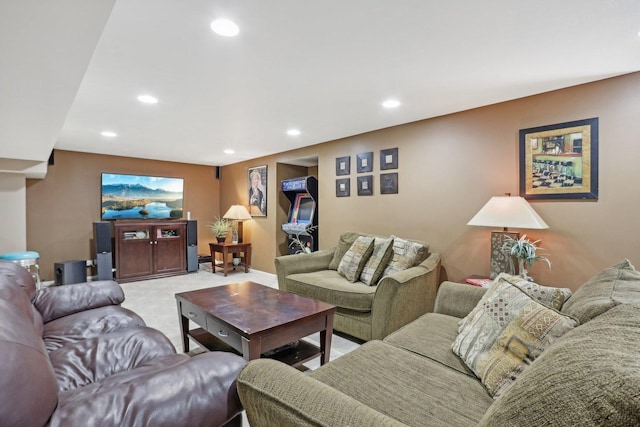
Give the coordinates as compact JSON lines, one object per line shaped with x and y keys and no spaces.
{"x":223,"y":333}
{"x":193,"y":313}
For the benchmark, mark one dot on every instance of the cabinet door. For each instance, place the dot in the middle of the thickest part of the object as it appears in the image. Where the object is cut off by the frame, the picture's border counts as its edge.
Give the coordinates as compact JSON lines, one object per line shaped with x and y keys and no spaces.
{"x":170,"y":248}
{"x":134,"y":251}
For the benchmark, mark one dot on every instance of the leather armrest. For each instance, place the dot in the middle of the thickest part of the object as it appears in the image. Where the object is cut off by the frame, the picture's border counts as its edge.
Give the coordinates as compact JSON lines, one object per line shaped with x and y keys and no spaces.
{"x":58,"y":301}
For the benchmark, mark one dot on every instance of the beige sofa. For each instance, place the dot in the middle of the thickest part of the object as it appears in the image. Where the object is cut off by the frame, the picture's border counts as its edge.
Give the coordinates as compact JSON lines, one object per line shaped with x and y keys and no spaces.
{"x":589,"y":376}
{"x":365,"y":312}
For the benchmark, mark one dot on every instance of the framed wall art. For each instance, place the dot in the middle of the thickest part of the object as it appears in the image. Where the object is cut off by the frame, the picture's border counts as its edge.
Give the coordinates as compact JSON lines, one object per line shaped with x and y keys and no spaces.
{"x":365,"y":162}
{"x":389,"y":159}
{"x":343,"y":165}
{"x":258,"y":191}
{"x":343,"y":187}
{"x":389,"y":183}
{"x":365,"y":185}
{"x":560,"y":161}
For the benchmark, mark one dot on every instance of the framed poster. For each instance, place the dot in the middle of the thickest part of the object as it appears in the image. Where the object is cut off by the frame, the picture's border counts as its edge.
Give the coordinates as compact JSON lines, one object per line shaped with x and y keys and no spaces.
{"x":389,"y":183}
{"x":343,"y":165}
{"x":258,"y":191}
{"x":389,"y":159}
{"x":343,"y":187}
{"x":560,"y":161}
{"x":365,"y":185}
{"x":365,"y":162}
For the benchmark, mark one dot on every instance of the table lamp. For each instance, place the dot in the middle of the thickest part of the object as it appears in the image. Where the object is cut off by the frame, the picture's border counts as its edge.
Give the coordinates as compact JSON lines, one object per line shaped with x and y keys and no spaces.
{"x":505,"y":211}
{"x":237,"y":213}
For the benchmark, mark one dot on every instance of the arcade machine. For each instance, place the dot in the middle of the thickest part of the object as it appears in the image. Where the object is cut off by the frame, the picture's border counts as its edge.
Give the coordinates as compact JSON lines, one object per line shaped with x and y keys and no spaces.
{"x":302,"y":222}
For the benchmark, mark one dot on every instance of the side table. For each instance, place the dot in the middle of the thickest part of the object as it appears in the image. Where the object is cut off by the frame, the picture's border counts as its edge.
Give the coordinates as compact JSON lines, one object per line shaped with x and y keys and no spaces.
{"x":231,"y":248}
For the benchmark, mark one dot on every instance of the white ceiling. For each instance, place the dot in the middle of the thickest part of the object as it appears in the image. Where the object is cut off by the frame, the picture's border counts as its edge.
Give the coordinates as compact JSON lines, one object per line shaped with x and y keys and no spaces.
{"x":323,"y":67}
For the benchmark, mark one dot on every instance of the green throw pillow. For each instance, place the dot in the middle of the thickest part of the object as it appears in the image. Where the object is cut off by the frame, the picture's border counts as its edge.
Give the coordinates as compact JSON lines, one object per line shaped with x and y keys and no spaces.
{"x":405,"y":255}
{"x":354,"y":260}
{"x":505,"y":333}
{"x":382,"y":251}
{"x":618,"y":284}
{"x":345,"y":242}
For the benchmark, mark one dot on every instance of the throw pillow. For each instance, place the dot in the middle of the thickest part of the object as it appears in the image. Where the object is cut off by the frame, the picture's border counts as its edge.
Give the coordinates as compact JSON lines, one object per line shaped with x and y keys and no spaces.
{"x":505,"y":333}
{"x":354,"y":260}
{"x":618,"y":284}
{"x":382,"y":251}
{"x":405,"y":254}
{"x":345,"y":242}
{"x":546,"y":295}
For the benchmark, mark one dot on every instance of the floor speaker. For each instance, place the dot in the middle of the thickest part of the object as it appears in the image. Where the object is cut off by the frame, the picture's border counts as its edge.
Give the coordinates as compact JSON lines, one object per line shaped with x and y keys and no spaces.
{"x":192,"y":245}
{"x":104,"y":249}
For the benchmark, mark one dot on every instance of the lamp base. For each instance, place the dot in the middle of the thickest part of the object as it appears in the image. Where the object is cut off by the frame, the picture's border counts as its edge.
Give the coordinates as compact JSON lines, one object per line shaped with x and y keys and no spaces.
{"x":499,"y":260}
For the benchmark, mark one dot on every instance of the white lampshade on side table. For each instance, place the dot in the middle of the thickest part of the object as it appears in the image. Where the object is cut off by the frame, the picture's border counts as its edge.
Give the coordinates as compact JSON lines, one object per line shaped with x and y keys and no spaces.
{"x":237,"y":213}
{"x":505,"y":211}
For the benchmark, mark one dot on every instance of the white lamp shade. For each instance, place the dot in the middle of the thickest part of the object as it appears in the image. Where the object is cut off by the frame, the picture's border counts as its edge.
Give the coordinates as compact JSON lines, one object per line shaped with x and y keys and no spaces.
{"x":237,"y":213}
{"x":508,"y":211}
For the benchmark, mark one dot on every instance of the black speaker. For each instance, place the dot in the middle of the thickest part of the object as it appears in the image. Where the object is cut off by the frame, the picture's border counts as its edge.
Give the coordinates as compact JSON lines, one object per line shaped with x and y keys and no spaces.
{"x":69,"y":272}
{"x":104,"y":250}
{"x":192,"y":245}
{"x":217,"y":172}
{"x":102,"y":237}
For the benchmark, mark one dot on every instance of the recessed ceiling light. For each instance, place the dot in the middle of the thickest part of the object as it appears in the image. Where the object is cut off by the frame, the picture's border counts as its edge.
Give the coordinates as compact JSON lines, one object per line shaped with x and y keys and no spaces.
{"x":224,"y":27}
{"x":108,"y":134}
{"x":148,"y":99}
{"x":228,"y":151}
{"x":391,"y":103}
{"x":293,"y":132}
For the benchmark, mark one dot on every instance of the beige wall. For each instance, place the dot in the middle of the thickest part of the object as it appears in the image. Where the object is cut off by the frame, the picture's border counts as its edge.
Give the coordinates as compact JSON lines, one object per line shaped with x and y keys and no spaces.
{"x":450,"y":166}
{"x":62,"y":207}
{"x":13,"y":227}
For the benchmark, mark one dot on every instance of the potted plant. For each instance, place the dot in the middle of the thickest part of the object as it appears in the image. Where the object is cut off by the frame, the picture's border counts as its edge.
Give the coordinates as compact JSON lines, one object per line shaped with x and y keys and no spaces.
{"x":220,"y":227}
{"x":524,"y":250}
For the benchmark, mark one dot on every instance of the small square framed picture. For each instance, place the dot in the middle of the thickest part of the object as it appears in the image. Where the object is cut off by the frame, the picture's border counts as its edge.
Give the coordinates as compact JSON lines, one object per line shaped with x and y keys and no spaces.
{"x":389,"y":183}
{"x":389,"y":159}
{"x":365,"y":185}
{"x":365,"y":162}
{"x":343,"y":187}
{"x":343,"y":165}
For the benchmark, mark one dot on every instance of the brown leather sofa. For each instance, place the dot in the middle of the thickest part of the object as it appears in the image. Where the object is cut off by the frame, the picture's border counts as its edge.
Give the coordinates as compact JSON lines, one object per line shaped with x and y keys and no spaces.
{"x":72,"y":356}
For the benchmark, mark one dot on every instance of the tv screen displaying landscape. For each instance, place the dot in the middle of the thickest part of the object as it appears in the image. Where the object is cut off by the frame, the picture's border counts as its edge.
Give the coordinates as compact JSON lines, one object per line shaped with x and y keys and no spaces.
{"x":141,"y":197}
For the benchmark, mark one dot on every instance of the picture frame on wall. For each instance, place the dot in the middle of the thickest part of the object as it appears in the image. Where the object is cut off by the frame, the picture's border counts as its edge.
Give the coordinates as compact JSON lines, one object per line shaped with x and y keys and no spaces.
{"x":365,"y":185}
{"x":389,"y":159}
{"x":560,"y":161}
{"x":364,"y":162}
{"x":343,"y":165}
{"x":343,"y":187}
{"x":389,"y":183}
{"x":257,"y":177}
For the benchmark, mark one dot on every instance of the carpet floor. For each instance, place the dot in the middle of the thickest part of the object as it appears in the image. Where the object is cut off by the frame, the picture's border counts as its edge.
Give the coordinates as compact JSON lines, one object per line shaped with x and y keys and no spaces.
{"x":154,"y":301}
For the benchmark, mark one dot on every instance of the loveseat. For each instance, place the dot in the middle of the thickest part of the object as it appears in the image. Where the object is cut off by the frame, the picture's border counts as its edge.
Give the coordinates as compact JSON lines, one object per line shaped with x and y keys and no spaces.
{"x":397,"y":283}
{"x":72,"y":356}
{"x":587,"y":373}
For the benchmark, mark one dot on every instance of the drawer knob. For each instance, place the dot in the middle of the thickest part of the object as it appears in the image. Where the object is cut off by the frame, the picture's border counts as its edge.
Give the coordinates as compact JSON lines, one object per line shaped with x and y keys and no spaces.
{"x":223,"y":333}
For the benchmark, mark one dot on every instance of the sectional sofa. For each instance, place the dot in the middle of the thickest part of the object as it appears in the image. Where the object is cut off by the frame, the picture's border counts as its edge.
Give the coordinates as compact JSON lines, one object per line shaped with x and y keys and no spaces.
{"x":549,"y":362}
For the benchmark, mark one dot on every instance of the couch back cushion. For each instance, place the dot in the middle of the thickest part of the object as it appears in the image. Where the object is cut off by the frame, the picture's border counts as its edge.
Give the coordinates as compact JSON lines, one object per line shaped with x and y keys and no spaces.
{"x":20,"y":276}
{"x":618,"y":284}
{"x":591,"y":376}
{"x":28,"y":387}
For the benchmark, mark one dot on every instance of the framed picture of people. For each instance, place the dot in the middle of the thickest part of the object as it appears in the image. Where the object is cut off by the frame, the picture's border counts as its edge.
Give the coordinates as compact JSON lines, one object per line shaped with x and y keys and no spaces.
{"x":258,"y":191}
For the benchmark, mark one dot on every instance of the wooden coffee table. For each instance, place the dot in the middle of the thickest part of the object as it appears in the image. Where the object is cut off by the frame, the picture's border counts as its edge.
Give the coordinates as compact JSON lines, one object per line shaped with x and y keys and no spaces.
{"x":252,"y":319}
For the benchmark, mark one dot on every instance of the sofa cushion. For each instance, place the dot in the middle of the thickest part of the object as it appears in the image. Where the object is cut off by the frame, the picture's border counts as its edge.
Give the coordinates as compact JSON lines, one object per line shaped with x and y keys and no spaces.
{"x":546,"y":295}
{"x":615,"y":285}
{"x":355,"y":258}
{"x":331,"y":287}
{"x":405,"y":386}
{"x":589,"y":377}
{"x":345,"y":242}
{"x":405,"y":254}
{"x":377,"y":262}
{"x":505,"y":333}
{"x":431,"y":336}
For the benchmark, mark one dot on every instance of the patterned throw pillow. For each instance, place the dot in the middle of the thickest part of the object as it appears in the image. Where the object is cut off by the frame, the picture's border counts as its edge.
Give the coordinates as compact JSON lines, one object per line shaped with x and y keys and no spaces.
{"x":546,"y":295}
{"x":405,"y":254}
{"x":382,"y":251}
{"x":505,"y":333}
{"x":355,"y":258}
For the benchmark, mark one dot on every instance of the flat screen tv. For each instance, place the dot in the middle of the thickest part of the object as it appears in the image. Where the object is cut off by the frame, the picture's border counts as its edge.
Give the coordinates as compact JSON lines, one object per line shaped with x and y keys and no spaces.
{"x":141,"y":197}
